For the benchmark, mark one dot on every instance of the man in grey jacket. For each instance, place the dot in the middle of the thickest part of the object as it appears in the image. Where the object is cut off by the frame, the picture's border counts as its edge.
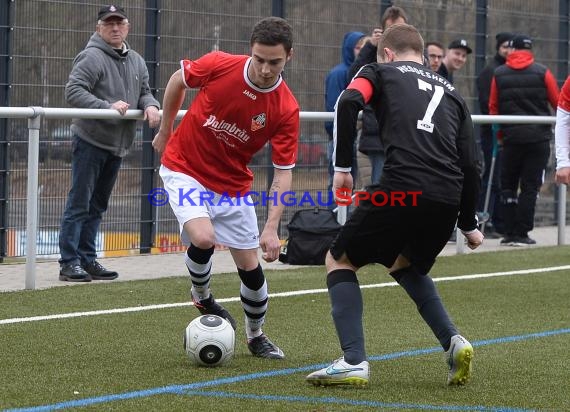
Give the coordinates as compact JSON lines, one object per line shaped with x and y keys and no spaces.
{"x":107,"y":74}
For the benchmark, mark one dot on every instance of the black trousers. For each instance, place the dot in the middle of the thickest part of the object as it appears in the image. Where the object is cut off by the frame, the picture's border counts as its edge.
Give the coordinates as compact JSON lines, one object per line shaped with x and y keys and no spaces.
{"x":522,"y":167}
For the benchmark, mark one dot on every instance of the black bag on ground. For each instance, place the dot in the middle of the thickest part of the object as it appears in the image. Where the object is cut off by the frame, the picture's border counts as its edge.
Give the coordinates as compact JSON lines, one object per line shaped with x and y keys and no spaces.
{"x":311,"y":232}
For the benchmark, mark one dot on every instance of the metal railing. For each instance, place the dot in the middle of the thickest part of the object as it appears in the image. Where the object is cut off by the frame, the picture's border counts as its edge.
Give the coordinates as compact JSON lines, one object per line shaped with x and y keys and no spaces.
{"x":35,"y":115}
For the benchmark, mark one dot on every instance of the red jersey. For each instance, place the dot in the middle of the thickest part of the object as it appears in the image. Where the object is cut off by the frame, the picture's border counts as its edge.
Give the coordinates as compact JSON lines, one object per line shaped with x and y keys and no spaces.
{"x":229,"y":120}
{"x":564,"y":99}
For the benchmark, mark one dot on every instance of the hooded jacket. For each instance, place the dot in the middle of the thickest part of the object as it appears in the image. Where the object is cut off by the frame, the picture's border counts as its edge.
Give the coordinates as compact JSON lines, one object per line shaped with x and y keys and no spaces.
{"x":101,"y":76}
{"x":523,"y":87}
{"x":337,"y":79}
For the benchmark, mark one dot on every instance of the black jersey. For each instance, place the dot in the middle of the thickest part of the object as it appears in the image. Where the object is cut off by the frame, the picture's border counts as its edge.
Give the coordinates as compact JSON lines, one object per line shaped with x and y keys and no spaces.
{"x":426,"y":130}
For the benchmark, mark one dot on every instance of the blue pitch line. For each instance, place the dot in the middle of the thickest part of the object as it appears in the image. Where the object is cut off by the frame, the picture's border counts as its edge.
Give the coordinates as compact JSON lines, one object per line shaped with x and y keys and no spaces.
{"x":184,"y":389}
{"x":485,"y":342}
{"x":353,"y":402}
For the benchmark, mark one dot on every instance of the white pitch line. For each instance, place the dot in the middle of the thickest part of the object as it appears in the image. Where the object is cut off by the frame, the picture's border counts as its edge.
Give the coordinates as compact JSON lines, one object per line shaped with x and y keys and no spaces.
{"x":281,"y":294}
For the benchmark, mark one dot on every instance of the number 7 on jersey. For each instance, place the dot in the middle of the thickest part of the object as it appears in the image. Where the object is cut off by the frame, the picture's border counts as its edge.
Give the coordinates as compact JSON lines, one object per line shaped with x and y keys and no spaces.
{"x":425,"y":123}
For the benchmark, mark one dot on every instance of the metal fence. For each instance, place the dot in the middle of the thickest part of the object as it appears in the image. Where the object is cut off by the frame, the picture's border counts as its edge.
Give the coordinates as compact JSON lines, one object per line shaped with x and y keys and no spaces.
{"x":40,"y":38}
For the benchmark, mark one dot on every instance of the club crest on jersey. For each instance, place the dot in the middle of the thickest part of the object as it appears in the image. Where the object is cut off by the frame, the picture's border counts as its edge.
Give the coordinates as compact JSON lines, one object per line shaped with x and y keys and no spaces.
{"x":258,"y":122}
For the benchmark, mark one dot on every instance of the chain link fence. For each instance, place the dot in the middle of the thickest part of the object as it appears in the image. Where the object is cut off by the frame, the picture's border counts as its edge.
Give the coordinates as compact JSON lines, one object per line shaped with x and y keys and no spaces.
{"x":40,"y":38}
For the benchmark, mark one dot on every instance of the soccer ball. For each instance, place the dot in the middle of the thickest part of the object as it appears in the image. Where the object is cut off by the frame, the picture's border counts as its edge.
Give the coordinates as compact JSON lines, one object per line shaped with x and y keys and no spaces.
{"x":209,"y":340}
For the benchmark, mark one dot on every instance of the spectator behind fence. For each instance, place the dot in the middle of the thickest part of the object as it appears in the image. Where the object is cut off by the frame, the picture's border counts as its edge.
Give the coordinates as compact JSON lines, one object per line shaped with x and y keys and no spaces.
{"x":494,"y":226}
{"x":242,"y":103}
{"x":562,"y":135}
{"x":335,"y":82}
{"x":369,"y":142}
{"x":408,"y":236}
{"x":524,"y":88}
{"x":454,"y":59}
{"x":107,"y":74}
{"x":434,"y":52}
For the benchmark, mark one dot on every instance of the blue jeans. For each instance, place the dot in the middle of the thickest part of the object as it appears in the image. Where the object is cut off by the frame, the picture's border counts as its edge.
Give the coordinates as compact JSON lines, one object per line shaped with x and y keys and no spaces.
{"x":93,"y":175}
{"x":377,"y":162}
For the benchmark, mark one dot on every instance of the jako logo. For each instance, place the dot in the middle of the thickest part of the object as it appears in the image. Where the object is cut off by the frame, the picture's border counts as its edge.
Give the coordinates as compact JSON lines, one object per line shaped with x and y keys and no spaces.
{"x":250,"y":94}
{"x":378,"y":198}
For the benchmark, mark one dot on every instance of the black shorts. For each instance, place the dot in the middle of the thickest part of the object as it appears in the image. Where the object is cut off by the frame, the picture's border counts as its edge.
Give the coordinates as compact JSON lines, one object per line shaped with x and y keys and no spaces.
{"x":378,"y":234}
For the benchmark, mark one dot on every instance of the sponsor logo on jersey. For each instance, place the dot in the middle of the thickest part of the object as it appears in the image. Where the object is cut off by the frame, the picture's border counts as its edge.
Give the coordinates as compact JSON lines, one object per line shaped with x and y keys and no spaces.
{"x":231,"y":129}
{"x":249,"y":94}
{"x":258,"y":122}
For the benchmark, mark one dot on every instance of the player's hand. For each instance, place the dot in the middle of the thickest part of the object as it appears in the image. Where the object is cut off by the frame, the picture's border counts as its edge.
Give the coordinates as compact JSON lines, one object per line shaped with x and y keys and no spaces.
{"x":121,"y":107}
{"x":342,"y":185}
{"x":562,"y":176}
{"x":160,"y":140}
{"x":152,"y":115}
{"x":270,"y":245}
{"x":474,"y":239}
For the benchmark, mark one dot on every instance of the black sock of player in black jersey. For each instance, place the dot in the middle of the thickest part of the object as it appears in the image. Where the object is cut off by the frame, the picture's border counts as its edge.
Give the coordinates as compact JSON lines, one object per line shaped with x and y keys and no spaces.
{"x":346,"y":302}
{"x":421,"y":289}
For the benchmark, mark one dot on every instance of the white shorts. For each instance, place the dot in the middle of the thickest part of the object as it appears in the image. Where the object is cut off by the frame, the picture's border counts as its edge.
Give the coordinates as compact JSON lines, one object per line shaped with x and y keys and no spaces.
{"x":234,"y":219}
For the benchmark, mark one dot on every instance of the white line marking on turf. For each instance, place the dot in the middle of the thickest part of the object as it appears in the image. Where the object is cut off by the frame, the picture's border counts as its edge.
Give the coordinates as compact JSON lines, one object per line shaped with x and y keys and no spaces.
{"x":281,"y":294}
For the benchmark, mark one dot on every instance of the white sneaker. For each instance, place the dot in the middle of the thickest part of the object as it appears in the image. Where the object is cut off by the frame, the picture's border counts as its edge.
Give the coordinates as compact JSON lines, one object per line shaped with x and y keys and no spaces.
{"x":341,"y":373}
{"x":459,"y":357}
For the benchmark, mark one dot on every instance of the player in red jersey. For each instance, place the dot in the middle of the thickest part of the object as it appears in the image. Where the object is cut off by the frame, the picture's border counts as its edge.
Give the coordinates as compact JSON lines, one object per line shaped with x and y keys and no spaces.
{"x":242,"y":103}
{"x":562,"y":135}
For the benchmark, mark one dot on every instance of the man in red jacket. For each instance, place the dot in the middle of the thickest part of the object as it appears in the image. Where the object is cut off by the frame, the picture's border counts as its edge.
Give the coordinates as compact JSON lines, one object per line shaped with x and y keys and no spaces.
{"x":522,"y":87}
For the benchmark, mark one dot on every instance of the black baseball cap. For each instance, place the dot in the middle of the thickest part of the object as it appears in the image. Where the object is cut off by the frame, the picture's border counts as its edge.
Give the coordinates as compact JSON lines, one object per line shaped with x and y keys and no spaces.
{"x":111,"y":11}
{"x":521,"y":42}
{"x":460,"y":44}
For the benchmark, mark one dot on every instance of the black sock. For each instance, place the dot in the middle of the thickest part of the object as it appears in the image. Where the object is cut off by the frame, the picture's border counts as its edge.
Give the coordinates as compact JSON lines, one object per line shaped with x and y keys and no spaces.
{"x":254,"y":299}
{"x":198,"y":264}
{"x":421,"y":289}
{"x":346,"y":303}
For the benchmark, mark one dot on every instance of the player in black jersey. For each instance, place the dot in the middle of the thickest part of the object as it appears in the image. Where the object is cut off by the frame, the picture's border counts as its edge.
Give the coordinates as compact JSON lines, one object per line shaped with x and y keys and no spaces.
{"x":430,"y":180}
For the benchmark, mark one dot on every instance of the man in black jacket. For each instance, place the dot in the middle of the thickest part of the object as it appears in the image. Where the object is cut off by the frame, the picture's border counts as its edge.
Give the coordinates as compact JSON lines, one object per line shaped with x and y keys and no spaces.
{"x":494,"y":227}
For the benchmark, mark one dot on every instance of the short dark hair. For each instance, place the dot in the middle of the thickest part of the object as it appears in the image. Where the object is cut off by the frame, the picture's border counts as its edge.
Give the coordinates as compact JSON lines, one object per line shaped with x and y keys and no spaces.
{"x":273,"y":31}
{"x":392,"y":13}
{"x":434,"y":43}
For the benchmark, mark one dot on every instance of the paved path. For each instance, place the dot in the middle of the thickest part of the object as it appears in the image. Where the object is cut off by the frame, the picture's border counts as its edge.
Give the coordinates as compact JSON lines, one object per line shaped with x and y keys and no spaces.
{"x":13,"y":276}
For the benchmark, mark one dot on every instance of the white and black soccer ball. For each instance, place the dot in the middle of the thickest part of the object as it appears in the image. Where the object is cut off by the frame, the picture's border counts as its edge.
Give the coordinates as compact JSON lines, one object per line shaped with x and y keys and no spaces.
{"x":209,"y":340}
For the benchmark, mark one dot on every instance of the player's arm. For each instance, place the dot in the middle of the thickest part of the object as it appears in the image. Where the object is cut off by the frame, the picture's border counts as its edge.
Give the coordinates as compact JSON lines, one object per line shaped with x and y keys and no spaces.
{"x":562,"y":135}
{"x":350,"y":103}
{"x":172,"y":102}
{"x":562,"y":143}
{"x":269,"y":240}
